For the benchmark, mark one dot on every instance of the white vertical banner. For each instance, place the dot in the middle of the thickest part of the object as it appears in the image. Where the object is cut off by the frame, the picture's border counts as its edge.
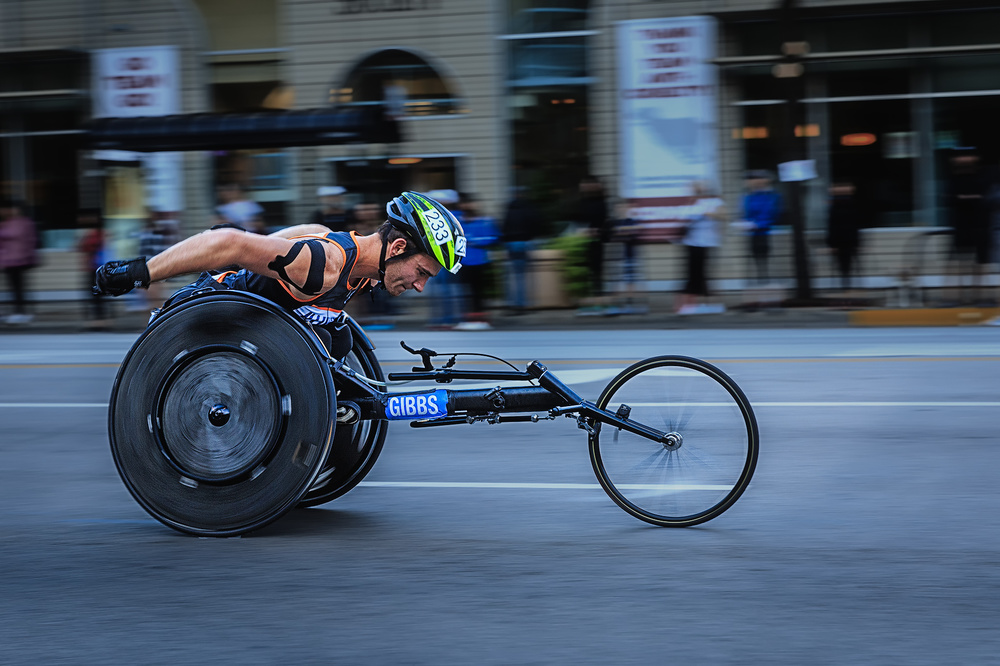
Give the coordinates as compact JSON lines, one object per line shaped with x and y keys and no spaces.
{"x":134,"y":82}
{"x":667,"y":114}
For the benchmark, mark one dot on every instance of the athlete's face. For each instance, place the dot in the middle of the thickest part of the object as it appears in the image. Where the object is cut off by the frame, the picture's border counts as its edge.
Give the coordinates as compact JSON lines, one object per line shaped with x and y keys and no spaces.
{"x":410,"y":273}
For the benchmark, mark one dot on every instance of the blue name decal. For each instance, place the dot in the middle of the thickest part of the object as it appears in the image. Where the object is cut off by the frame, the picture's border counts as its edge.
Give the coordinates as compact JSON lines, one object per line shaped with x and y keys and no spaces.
{"x":417,"y":406}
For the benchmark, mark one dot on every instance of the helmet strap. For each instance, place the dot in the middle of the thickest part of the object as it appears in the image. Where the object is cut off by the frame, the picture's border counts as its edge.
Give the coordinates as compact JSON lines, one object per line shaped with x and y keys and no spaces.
{"x":381,"y":261}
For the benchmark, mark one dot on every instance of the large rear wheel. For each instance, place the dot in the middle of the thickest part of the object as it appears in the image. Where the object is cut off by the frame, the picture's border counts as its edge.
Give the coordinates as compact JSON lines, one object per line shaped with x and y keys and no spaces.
{"x":356,"y":446}
{"x":222,"y":414}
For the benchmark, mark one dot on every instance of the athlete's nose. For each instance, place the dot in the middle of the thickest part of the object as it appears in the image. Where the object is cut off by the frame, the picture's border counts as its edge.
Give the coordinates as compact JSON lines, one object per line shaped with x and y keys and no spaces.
{"x":418,"y":286}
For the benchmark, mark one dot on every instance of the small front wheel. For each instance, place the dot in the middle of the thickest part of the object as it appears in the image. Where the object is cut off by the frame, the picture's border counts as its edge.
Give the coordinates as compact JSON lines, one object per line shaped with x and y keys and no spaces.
{"x":708,"y":454}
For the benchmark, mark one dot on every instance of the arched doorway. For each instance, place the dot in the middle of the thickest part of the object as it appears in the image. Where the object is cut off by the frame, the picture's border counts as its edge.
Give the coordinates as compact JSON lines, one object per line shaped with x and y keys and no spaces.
{"x":410,"y":87}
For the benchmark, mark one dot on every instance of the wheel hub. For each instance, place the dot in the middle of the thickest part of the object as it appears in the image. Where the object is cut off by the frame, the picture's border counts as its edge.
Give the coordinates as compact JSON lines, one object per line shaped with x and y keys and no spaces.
{"x":672,"y":441}
{"x":220,"y":416}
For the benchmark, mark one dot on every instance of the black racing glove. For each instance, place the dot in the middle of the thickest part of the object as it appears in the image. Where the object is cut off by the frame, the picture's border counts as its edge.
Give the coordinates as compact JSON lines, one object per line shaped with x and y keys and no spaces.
{"x":120,"y":277}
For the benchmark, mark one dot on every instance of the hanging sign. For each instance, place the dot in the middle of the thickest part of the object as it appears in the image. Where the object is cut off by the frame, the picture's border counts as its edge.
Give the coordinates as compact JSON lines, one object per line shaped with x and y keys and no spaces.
{"x":667,"y":94}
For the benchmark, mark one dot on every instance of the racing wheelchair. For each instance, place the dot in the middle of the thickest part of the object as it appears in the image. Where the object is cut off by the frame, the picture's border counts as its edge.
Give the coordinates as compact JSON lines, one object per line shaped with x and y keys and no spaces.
{"x":228,"y":412}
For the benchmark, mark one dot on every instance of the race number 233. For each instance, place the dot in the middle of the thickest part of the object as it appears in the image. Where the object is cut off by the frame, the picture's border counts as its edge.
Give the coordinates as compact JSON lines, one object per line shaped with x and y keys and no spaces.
{"x":438,"y":226}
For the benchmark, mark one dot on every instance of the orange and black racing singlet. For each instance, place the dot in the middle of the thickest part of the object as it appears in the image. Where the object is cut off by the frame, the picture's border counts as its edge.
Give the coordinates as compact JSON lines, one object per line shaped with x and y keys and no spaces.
{"x":320,"y":310}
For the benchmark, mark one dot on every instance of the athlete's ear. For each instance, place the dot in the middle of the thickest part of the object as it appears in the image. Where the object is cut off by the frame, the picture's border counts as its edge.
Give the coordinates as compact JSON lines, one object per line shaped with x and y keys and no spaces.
{"x":396,"y":247}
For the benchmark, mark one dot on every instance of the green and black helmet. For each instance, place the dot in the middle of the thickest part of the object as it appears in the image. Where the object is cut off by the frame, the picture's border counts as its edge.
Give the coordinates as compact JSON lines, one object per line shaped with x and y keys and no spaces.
{"x":430,"y":225}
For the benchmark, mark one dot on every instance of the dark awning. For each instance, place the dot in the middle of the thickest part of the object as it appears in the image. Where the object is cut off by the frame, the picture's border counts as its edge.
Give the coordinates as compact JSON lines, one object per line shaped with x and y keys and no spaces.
{"x":230,"y":131}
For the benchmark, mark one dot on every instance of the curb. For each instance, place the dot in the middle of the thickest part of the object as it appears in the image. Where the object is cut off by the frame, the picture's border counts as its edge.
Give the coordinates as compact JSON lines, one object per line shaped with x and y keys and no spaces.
{"x":924,"y":317}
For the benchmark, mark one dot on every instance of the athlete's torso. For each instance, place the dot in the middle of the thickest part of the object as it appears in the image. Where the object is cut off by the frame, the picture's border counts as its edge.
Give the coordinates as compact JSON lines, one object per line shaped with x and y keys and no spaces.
{"x":319,"y":310}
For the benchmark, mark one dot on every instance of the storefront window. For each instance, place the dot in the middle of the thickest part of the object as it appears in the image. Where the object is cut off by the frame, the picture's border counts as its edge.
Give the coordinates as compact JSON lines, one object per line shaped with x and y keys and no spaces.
{"x":548,"y":77}
{"x":971,"y":26}
{"x":861,"y":80}
{"x":872,"y":146}
{"x":403,"y":82}
{"x":550,"y":142}
{"x":44,"y":103}
{"x":538,"y":16}
{"x":966,"y":74}
{"x":554,"y":61}
{"x":858,"y":33}
{"x":377,"y":180}
{"x":889,"y":120}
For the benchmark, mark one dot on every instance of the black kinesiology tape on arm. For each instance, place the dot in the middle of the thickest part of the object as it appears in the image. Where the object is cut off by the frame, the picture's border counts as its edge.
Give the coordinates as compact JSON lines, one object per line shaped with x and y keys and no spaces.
{"x":317,"y":266}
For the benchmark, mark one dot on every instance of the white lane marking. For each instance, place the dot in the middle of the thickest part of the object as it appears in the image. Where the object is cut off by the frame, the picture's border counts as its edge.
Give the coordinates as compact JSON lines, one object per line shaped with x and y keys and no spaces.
{"x":920,"y":350}
{"x":28,"y":405}
{"x":99,"y":405}
{"x":817,"y":404}
{"x":538,"y":486}
{"x":877,"y":404}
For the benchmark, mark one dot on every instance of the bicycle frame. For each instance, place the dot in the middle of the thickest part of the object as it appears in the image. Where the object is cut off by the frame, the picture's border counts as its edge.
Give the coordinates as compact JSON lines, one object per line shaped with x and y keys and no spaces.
{"x":442,"y":407}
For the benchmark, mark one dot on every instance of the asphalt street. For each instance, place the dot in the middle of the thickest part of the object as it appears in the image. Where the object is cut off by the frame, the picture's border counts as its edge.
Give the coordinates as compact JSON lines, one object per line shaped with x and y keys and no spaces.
{"x":867,"y":536}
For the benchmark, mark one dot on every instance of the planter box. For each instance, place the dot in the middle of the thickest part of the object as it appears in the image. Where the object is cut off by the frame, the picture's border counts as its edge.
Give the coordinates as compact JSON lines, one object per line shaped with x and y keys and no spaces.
{"x":546,"y":288}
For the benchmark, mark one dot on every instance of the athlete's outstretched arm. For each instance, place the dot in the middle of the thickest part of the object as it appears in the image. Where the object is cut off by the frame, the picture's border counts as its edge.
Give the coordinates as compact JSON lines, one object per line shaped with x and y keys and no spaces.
{"x":212,"y":250}
{"x":309,"y":266}
{"x":309,"y":269}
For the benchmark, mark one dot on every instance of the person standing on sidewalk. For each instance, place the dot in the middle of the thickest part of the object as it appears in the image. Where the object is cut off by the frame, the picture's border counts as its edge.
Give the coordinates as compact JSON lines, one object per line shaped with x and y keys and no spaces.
{"x":332,"y":213}
{"x":18,"y":254}
{"x":701,"y":235}
{"x":481,"y":234}
{"x":520,"y":224}
{"x":92,"y":255}
{"x":628,"y":231}
{"x":970,"y":223}
{"x":445,"y":292}
{"x":593,"y":215}
{"x":238,"y":211}
{"x":761,"y":209}
{"x":843,"y":229}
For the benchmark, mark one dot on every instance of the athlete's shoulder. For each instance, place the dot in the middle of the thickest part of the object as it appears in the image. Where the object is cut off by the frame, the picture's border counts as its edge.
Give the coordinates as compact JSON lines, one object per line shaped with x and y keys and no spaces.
{"x":342,"y":238}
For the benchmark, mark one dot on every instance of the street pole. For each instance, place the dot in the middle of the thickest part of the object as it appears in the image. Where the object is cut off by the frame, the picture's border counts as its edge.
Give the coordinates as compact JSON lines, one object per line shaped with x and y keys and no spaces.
{"x":791,"y":71}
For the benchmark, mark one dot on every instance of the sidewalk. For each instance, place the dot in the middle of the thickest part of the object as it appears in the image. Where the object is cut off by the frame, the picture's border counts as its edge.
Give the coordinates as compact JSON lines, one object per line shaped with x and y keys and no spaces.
{"x":413,"y":315}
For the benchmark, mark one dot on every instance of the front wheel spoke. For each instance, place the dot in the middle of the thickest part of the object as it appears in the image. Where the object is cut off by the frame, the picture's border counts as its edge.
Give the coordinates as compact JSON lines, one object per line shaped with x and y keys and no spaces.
{"x":648,"y":461}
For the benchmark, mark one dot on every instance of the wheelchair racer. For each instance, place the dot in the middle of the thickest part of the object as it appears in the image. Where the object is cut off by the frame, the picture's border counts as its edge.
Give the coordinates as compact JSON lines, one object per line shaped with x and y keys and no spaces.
{"x":308,"y":269}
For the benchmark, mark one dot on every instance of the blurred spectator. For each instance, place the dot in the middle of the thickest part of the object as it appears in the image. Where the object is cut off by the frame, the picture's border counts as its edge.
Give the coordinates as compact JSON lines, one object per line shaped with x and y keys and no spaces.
{"x":444,"y":288}
{"x":332,"y":213}
{"x":481,"y":234}
{"x":159,"y":233}
{"x":237,"y":210}
{"x":701,"y":234}
{"x":843,"y":229}
{"x":18,"y":254}
{"x":970,"y":217}
{"x":91,"y":247}
{"x":627,"y":232}
{"x":593,"y":214}
{"x":169,"y":227}
{"x":761,"y":209}
{"x":994,"y":204}
{"x":520,"y":224}
{"x":367,"y":217}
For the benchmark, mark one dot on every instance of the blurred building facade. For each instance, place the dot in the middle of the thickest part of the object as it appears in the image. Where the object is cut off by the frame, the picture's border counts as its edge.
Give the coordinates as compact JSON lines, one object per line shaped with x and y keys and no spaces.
{"x":489,"y":94}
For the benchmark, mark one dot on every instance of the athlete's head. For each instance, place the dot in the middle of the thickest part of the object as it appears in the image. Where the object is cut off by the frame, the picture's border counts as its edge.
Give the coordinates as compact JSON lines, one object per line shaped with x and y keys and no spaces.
{"x":419,"y":238}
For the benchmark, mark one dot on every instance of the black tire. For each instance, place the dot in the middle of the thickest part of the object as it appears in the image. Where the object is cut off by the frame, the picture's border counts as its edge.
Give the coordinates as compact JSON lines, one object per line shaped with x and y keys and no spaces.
{"x":222,"y":414}
{"x":356,"y":447}
{"x":710,"y":458}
